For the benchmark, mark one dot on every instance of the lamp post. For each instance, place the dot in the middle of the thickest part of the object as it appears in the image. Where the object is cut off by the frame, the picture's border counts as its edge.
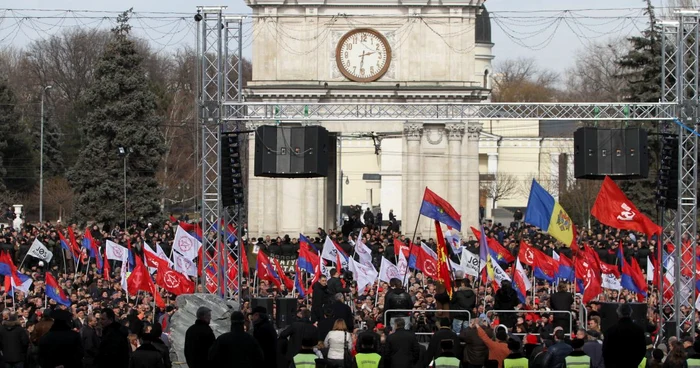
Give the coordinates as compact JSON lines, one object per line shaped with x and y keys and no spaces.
{"x":124,"y":153}
{"x":41,"y":157}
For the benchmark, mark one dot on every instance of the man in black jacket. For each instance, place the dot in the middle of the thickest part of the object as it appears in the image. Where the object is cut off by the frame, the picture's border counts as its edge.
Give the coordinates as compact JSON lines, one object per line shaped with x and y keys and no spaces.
{"x":319,"y":299}
{"x":476,"y":353}
{"x":114,"y":348}
{"x":464,"y":299}
{"x":91,"y":342}
{"x":561,"y":301}
{"x":625,"y":336}
{"x":443,"y":333}
{"x":266,"y":336}
{"x":335,"y":285}
{"x":402,"y":349}
{"x":343,"y":311}
{"x":236,"y":348}
{"x":61,"y":345}
{"x":15,"y":342}
{"x":297,"y":332}
{"x":198,"y":339}
{"x":506,"y":299}
{"x":398,"y":298}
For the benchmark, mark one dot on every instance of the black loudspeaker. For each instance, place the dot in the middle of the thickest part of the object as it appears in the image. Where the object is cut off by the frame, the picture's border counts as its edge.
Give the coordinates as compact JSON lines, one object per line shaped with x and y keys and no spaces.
{"x":267,"y":303}
{"x":286,"y":311}
{"x":608,"y":315}
{"x":618,"y":153}
{"x":291,"y":152}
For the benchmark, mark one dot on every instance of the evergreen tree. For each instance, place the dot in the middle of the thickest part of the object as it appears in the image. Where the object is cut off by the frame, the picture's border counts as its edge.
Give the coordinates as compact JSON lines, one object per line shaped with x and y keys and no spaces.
{"x":642,"y":65}
{"x":18,"y":167}
{"x":121,"y":114}
{"x":53,"y":157}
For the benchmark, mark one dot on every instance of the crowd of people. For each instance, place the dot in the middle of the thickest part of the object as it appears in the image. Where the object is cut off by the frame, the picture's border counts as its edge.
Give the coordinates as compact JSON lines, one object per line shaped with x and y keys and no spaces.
{"x":105,"y":326}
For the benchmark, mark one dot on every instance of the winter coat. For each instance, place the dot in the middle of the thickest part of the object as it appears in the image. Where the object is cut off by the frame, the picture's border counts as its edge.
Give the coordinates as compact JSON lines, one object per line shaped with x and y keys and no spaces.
{"x":463,"y":299}
{"x":401,"y":349}
{"x":61,"y":346}
{"x":434,"y":350}
{"x":557,"y":353}
{"x":627,"y":337}
{"x":296,"y":333}
{"x":15,"y":342}
{"x":397,"y":299}
{"x":594,"y":349}
{"x":266,"y":336}
{"x":343,"y":311}
{"x":335,"y":286}
{"x":236,"y":349}
{"x":320,"y":297}
{"x":146,"y":356}
{"x":91,"y":345}
{"x":506,"y":299}
{"x":198,"y":340}
{"x":114,"y":348}
{"x":475,"y":350}
{"x":164,"y":352}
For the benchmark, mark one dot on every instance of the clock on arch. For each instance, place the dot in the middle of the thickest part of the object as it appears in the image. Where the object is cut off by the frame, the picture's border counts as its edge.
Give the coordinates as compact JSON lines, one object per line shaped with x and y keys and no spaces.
{"x":363,"y":55}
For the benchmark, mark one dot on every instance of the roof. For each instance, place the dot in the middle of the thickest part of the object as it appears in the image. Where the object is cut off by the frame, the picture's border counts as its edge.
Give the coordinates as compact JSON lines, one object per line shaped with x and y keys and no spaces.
{"x":483,"y":26}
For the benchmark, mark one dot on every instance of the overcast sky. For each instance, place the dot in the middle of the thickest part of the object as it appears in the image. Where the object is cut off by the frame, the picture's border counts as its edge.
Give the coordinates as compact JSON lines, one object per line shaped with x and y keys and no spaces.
{"x":553,"y":47}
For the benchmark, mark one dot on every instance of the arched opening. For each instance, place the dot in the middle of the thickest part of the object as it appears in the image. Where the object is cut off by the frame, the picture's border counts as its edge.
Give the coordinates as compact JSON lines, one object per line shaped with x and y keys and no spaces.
{"x":486,"y":78}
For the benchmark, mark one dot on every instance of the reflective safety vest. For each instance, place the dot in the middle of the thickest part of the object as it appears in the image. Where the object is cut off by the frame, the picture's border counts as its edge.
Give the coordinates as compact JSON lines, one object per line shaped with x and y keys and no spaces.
{"x":305,"y":360}
{"x":692,"y":362}
{"x":515,"y":363}
{"x":446,"y":362}
{"x":370,"y":360}
{"x":583,"y":361}
{"x":643,"y":364}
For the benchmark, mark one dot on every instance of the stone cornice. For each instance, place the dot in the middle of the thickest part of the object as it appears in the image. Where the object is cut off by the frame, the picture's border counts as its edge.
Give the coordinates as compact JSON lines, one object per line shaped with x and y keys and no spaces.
{"x":468,"y":94}
{"x":366,"y":3}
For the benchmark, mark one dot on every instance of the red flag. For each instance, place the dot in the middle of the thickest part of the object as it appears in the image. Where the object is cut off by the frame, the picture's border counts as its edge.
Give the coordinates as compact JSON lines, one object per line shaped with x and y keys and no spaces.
{"x":526,"y":254}
{"x":496,"y":249}
{"x":614,"y":209}
{"x":73,"y":242}
{"x":174,"y":282}
{"x":244,"y":259}
{"x":338,"y":263}
{"x":265,"y":271}
{"x":426,"y":262}
{"x":443,"y":265}
{"x":211,"y":281}
{"x":288,"y":283}
{"x":400,"y":246}
{"x":638,"y":278}
{"x":591,"y":283}
{"x":140,"y":280}
{"x":154,"y":261}
{"x":106,"y":269}
{"x":232,"y":272}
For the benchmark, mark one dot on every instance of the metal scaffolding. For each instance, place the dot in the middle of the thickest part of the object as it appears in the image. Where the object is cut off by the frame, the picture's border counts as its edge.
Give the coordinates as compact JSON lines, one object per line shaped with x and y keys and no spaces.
{"x":222,"y":107}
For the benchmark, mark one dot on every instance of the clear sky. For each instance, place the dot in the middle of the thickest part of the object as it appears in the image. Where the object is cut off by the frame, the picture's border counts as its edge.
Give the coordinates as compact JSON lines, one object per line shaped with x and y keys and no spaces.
{"x":522,"y":33}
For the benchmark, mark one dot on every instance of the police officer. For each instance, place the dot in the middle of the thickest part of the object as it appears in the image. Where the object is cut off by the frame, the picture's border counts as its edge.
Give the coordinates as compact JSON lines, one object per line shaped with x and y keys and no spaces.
{"x":447,"y":358}
{"x":577,"y":358}
{"x":693,"y":359}
{"x":515,"y":359}
{"x":367,"y":356}
{"x":306,"y":358}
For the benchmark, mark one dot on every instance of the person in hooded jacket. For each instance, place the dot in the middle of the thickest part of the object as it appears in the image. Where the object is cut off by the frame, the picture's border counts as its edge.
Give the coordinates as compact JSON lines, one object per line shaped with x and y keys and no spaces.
{"x":266,"y":335}
{"x":506,"y":299}
{"x":297,"y":332}
{"x":463,"y":299}
{"x":398,"y":298}
{"x":147,"y":355}
{"x":157,"y":341}
{"x":236,"y":348}
{"x":61,"y":345}
{"x":114,"y":348}
{"x":15,"y":342}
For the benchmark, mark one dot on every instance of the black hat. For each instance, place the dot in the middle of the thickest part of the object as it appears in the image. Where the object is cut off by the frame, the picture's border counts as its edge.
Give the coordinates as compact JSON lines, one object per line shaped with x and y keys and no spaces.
{"x":259,"y":309}
{"x":61,"y":315}
{"x":237,"y":317}
{"x":577,"y":343}
{"x":513,"y":345}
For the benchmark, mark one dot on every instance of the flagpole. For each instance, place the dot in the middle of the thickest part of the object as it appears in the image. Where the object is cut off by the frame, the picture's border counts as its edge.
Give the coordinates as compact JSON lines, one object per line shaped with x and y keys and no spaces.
{"x":65,"y":268}
{"x":23,"y":259}
{"x":410,"y":247}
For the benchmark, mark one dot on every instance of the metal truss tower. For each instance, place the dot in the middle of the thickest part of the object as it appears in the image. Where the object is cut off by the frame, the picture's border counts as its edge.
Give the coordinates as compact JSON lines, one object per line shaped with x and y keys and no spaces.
{"x":220,"y":80}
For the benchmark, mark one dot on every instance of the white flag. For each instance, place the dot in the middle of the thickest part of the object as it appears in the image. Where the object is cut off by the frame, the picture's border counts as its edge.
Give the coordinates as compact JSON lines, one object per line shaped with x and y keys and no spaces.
{"x":124,"y":275}
{"x":470,"y":263}
{"x":457,"y":267}
{"x":650,"y":270}
{"x":116,"y":252}
{"x":363,"y":275}
{"x":363,"y":251}
{"x":186,"y":244}
{"x":498,"y":274}
{"x":183,"y":265}
{"x":330,"y":253}
{"x":26,"y":283}
{"x":611,"y":282}
{"x":38,"y":250}
{"x":697,"y":303}
{"x":403,"y":268}
{"x":161,"y":253}
{"x":388,"y":271}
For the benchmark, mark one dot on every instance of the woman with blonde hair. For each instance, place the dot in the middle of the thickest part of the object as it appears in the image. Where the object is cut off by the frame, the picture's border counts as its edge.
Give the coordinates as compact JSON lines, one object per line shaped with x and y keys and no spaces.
{"x":338,"y":342}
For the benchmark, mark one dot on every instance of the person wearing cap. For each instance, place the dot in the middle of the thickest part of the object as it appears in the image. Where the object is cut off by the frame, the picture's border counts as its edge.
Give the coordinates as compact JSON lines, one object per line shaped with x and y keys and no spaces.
{"x":297,"y":332}
{"x":693,"y":359}
{"x":444,"y":332}
{"x":198,"y":339}
{"x":147,"y":355}
{"x":61,"y":345}
{"x":557,"y":353}
{"x":498,"y":350}
{"x":515,"y":359}
{"x":577,"y":358}
{"x":446,"y":358}
{"x":236,"y":348}
{"x":367,"y":356}
{"x":625,"y":336}
{"x":266,"y":335}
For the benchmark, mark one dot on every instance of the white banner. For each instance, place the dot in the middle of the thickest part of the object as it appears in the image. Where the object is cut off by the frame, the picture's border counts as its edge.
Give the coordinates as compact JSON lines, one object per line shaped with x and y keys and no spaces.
{"x":38,"y":250}
{"x":363,"y":251}
{"x":186,"y":244}
{"x":365,"y":275}
{"x":116,"y":252}
{"x":611,"y":282}
{"x":650,"y":270}
{"x":183,"y":265}
{"x":388,"y":271}
{"x":498,"y":273}
{"x":330,"y":253}
{"x":470,"y":263}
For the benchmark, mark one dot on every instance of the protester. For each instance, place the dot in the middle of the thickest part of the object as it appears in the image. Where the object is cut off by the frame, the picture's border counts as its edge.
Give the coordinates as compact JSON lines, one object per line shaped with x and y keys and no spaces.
{"x":402,"y":349}
{"x":338,"y":343}
{"x":90,"y":341}
{"x":367,"y":353}
{"x":15,"y":342}
{"x":114,"y":349}
{"x":61,"y":346}
{"x":236,"y":348}
{"x":297,"y":332}
{"x":264,"y":332}
{"x":627,"y":337}
{"x":198,"y":339}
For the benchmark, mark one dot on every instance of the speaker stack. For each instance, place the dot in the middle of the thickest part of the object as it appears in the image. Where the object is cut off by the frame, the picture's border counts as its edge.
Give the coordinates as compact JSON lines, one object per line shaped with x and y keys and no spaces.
{"x":618,"y":153}
{"x":608,"y":315}
{"x":291,"y":152}
{"x":286,"y":311}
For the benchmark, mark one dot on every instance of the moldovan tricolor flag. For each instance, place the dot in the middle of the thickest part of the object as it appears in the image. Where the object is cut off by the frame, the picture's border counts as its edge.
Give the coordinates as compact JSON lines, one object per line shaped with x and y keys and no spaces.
{"x":614,"y":209}
{"x":546,"y":213}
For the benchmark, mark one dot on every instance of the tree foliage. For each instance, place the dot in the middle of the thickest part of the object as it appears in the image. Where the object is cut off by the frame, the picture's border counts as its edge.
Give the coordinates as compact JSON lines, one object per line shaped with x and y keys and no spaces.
{"x":17,"y":165}
{"x":121,"y":113}
{"x":521,"y":80}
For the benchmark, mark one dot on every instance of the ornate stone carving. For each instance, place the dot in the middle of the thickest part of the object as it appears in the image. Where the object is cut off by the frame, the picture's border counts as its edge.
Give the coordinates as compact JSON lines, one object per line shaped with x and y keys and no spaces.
{"x":474,"y":129}
{"x":413,"y":131}
{"x":429,"y":136}
{"x":455,"y":132}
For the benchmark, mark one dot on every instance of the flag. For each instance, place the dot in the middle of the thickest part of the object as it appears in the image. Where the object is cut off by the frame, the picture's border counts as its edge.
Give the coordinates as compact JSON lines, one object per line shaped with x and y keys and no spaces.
{"x":400,"y":246}
{"x":470,"y":263}
{"x":443,"y":268}
{"x":521,"y":283}
{"x":304,"y":240}
{"x":363,"y":274}
{"x":140,"y":280}
{"x":297,"y":282}
{"x":116,"y":252}
{"x":54,"y":292}
{"x":153,"y":259}
{"x":307,"y":260}
{"x":73,"y":242}
{"x":106,"y":270}
{"x":388,"y":271}
{"x":614,"y":209}
{"x":454,"y":240}
{"x":590,"y":282}
{"x":544,"y":266}
{"x":289,"y":284}
{"x":363,"y":251}
{"x":566,"y":267}
{"x":612,"y":282}
{"x":330,"y":253}
{"x":91,"y":245}
{"x":338,"y":263}
{"x":173,"y":282}
{"x":496,"y":250}
{"x":7,"y":267}
{"x":426,"y":261}
{"x":483,"y":253}
{"x":651,"y":271}
{"x":186,"y":244}
{"x":266,"y":271}
{"x":244,"y":259}
{"x":547,"y":214}
{"x":130,"y":256}
{"x":66,"y":245}
{"x":440,"y":210}
{"x":631,"y":279}
{"x":161,"y":254}
{"x":496,"y":274}
{"x":39,"y":251}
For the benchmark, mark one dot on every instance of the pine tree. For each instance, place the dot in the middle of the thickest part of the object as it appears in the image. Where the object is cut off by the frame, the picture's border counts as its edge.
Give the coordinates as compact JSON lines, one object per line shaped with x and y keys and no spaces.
{"x":642,"y":65}
{"x":53,"y":157}
{"x":121,"y":114}
{"x":18,"y":167}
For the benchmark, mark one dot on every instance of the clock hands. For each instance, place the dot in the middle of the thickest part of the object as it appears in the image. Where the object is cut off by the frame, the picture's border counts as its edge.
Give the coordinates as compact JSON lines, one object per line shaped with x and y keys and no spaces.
{"x":362,"y":60}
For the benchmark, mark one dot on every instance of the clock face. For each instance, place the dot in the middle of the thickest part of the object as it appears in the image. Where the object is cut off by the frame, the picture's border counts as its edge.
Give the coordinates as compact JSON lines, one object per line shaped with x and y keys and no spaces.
{"x":363,"y":55}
